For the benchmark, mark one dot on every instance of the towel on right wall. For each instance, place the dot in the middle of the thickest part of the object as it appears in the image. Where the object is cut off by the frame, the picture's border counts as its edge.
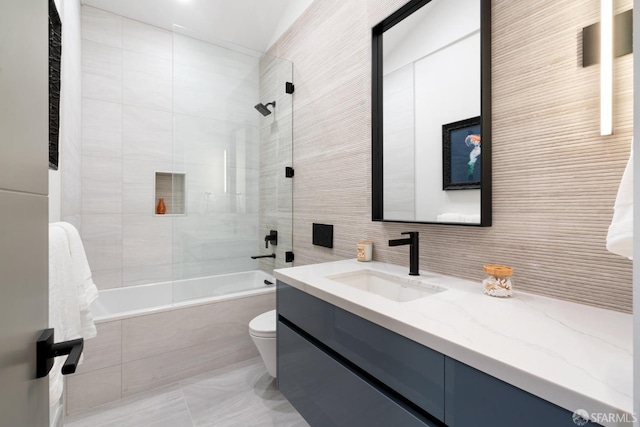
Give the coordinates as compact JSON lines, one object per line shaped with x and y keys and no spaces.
{"x":620,"y":236}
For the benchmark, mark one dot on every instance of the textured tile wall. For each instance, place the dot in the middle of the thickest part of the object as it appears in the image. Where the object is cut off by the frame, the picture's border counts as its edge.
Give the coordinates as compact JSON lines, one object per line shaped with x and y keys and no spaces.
{"x":554,"y":179}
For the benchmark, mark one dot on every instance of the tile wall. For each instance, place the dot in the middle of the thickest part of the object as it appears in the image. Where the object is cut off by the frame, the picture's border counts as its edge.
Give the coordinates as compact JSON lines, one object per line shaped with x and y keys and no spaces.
{"x":216,"y":143}
{"x":158,"y":101}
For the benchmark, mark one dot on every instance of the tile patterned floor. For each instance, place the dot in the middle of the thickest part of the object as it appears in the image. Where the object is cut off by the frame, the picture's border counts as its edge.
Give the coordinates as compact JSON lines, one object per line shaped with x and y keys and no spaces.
{"x":239,"y":395}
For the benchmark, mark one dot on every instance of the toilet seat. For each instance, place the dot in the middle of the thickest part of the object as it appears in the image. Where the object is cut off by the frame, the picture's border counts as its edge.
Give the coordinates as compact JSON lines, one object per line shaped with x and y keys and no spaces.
{"x":264,"y":325}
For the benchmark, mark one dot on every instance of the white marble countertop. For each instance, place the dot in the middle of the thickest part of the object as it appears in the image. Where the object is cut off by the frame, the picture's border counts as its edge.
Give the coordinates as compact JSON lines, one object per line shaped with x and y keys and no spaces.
{"x":576,"y":356}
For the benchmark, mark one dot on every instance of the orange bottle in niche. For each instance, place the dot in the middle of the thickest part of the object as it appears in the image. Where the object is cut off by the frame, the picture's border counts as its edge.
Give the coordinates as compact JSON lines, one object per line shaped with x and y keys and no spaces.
{"x":161,"y":209}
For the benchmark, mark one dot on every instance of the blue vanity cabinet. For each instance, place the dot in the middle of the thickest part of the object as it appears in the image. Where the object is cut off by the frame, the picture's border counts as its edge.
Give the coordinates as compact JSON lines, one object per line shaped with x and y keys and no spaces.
{"x":339,"y":369}
{"x":413,"y":371}
{"x":478,"y":399}
{"x":329,"y":394}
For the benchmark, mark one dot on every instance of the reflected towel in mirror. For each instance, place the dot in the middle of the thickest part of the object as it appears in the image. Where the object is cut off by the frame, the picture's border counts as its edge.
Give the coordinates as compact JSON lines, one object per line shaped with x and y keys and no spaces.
{"x":450,"y":217}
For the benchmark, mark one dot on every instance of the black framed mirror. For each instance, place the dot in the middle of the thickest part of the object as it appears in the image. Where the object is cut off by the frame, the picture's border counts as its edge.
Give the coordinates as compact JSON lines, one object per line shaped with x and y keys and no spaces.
{"x":431,"y":114}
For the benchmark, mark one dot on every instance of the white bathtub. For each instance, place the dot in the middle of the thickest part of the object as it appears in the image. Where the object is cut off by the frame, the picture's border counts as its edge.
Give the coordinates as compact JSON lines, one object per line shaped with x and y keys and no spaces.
{"x":120,"y":303}
{"x":153,"y":335}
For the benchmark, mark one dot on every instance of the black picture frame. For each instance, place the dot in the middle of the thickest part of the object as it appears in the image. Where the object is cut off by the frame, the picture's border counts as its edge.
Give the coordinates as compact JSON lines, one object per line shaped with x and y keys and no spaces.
{"x":55,"y":59}
{"x":461,"y":155}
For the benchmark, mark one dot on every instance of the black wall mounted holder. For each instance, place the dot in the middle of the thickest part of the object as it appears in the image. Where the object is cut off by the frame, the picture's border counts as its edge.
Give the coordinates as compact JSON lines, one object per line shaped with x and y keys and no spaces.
{"x":288,"y":172}
{"x":288,"y":256}
{"x":289,"y":88}
{"x":323,"y":235}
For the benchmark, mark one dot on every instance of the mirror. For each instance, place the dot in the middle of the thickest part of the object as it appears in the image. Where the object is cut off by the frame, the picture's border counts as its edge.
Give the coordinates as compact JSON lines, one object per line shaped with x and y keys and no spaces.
{"x":431,"y":88}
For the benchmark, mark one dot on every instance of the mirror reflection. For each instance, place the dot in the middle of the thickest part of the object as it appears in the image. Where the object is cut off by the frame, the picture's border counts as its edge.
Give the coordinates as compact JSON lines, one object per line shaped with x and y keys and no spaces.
{"x":432,"y":115}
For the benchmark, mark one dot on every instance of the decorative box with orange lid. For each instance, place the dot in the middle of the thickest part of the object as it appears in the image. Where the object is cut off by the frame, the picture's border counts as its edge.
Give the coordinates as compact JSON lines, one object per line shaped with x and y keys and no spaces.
{"x":498,"y":282}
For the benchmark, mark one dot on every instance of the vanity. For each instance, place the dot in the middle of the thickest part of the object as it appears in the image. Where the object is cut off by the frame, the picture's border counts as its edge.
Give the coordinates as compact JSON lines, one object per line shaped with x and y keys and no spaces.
{"x":364,"y":344}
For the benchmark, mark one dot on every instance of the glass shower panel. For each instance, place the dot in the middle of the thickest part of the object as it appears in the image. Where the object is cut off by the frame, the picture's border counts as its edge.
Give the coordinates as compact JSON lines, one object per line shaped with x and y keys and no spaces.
{"x":217,"y":146}
{"x":276,"y":154}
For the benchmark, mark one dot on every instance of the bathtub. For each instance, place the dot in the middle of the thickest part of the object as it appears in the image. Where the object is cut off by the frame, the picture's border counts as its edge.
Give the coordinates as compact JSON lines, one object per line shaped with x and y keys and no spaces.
{"x":153,"y":335}
{"x":139,"y":300}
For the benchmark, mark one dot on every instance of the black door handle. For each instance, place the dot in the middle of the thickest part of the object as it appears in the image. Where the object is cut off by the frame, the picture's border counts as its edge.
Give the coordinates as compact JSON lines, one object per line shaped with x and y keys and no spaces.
{"x":47,"y":350}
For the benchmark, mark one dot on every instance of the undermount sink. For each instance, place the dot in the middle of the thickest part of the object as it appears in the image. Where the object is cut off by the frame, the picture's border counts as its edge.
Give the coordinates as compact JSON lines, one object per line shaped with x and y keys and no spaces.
{"x":391,"y":287}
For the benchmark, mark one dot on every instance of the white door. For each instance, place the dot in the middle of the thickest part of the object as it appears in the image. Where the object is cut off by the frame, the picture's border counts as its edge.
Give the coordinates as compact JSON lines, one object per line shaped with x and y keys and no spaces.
{"x":24,"y":400}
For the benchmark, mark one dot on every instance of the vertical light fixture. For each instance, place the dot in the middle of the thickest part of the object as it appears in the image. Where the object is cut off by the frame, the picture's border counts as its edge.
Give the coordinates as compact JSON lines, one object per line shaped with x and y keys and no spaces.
{"x":224,"y":169}
{"x":606,"y":67}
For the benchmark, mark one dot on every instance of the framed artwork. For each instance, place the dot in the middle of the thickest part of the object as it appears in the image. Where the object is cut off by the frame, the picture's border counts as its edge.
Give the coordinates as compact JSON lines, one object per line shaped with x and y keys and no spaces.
{"x":55,"y":54}
{"x":461,"y":150}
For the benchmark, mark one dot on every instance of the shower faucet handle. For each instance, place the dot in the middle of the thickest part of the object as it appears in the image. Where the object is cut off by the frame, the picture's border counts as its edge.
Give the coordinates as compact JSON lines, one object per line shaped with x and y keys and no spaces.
{"x":271,"y":237}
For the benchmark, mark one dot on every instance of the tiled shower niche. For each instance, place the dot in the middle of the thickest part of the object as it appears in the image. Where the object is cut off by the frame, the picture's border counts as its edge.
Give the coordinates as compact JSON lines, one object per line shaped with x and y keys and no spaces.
{"x":170,"y":187}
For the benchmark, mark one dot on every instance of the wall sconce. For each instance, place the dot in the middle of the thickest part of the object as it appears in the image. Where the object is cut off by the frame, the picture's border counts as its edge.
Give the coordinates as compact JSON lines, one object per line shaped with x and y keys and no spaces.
{"x":606,"y":67}
{"x":224,"y":170}
{"x":601,"y":42}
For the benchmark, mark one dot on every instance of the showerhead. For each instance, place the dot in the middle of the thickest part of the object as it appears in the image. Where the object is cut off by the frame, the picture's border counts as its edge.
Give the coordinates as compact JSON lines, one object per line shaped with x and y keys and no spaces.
{"x":263,"y":108}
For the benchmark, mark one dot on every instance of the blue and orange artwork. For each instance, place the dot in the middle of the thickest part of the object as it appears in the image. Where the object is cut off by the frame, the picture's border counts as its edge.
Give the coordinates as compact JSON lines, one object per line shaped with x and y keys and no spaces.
{"x":462,"y":149}
{"x":472,"y":141}
{"x":465,"y":154}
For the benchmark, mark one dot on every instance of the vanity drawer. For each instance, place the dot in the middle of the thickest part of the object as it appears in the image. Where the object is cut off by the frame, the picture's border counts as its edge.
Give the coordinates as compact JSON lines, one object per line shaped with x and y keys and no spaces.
{"x":410,"y":369}
{"x":328,"y":394}
{"x":478,"y":399}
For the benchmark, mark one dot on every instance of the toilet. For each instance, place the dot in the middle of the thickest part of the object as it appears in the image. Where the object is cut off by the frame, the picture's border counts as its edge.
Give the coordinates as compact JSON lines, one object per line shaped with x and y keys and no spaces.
{"x":262,"y":330}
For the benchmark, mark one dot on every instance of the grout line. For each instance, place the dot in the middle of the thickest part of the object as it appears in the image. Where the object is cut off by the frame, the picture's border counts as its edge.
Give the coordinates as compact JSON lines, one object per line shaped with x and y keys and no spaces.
{"x":184,"y":397}
{"x":22,"y":193}
{"x":121,"y":358}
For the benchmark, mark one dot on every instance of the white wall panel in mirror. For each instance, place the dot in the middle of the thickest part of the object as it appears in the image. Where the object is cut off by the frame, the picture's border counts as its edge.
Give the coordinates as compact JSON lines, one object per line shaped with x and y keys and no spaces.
{"x":458,"y":89}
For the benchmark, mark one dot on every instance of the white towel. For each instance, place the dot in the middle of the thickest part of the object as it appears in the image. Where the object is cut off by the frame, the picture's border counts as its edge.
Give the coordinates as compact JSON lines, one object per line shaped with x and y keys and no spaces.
{"x":620,"y":236}
{"x":475,"y":219}
{"x":87,"y":290}
{"x":64,"y":312}
{"x":71,"y":291}
{"x":449,"y":217}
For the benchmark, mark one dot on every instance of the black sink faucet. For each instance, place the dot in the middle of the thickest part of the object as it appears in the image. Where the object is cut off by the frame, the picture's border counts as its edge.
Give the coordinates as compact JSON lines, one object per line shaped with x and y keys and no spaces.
{"x":412,"y":241}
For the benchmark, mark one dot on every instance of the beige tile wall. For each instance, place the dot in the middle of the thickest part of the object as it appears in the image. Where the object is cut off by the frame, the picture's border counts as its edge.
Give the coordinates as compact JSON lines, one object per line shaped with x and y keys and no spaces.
{"x":555,"y":178}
